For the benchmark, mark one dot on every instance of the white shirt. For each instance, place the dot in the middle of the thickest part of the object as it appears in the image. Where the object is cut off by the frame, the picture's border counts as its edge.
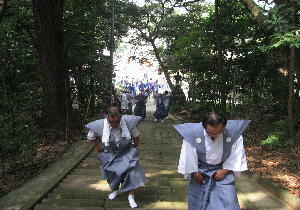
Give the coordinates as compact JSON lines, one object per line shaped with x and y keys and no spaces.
{"x":124,"y":101}
{"x":167,"y":100}
{"x":116,"y":132}
{"x":188,"y":161}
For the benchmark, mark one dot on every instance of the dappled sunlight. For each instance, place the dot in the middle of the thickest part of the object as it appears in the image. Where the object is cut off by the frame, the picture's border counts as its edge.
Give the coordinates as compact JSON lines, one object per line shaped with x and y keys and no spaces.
{"x":100,"y":185}
{"x":256,"y":196}
{"x":84,"y":164}
{"x":167,"y":205}
{"x":271,"y":163}
{"x":290,"y":180}
{"x":153,"y":174}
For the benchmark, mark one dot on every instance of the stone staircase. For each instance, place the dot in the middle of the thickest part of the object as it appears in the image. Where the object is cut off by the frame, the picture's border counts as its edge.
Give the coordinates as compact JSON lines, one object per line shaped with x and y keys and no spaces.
{"x":165,"y":189}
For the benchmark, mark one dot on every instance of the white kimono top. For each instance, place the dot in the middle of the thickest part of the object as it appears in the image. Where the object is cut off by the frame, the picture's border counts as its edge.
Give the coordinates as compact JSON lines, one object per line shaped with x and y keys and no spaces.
{"x":188,"y":162}
{"x":116,"y":132}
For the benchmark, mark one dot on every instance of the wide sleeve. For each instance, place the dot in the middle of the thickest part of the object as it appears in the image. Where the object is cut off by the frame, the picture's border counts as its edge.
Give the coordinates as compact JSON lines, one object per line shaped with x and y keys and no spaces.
{"x":188,"y":161}
{"x":91,"y":136}
{"x":135,"y":132}
{"x":237,"y":160}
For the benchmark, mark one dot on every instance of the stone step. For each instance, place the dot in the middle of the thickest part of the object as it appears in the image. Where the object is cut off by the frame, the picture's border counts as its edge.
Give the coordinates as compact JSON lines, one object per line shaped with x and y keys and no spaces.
{"x":51,"y":207}
{"x":151,"y":181}
{"x":83,"y":177}
{"x":87,"y":172}
{"x":144,"y":194}
{"x":63,"y":193}
{"x":145,"y":164}
{"x":74,"y":202}
{"x":67,"y":204}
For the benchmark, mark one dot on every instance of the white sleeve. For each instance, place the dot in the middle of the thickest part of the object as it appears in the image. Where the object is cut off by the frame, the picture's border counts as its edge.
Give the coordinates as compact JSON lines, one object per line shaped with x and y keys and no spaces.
{"x":188,"y":161}
{"x":237,"y":161}
{"x":135,"y":132}
{"x":91,"y":136}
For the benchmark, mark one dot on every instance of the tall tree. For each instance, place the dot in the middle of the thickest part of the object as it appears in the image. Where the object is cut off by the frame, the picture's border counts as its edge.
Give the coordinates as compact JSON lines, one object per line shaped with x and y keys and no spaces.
{"x":220,"y":58}
{"x":2,"y":8}
{"x":286,"y":12}
{"x":148,"y":22}
{"x":57,"y":107}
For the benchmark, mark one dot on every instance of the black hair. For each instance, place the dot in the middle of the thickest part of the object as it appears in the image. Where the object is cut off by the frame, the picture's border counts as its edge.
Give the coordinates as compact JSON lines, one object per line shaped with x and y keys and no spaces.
{"x":214,"y":118}
{"x":113,"y":111}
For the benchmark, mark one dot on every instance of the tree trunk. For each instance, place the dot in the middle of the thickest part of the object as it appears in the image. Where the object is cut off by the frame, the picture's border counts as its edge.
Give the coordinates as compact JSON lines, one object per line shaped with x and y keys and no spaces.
{"x":162,"y":66}
{"x":220,"y":62}
{"x":3,"y":4}
{"x":291,"y":117}
{"x":292,"y":70}
{"x":57,"y":107}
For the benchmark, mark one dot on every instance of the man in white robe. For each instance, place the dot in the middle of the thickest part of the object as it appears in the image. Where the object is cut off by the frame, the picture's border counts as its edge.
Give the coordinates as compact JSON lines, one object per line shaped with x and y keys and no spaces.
{"x":124,"y":102}
{"x":212,"y":153}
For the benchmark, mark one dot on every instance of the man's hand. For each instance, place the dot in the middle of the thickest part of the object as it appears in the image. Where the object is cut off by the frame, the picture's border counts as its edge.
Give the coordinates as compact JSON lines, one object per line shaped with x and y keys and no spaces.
{"x":220,"y":174}
{"x":197,"y":177}
{"x":97,"y":146}
{"x":136,"y":142}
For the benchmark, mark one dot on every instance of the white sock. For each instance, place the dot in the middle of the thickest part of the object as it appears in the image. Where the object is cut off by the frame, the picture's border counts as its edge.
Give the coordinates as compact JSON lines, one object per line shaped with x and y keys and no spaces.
{"x":113,"y":195}
{"x":132,"y":202}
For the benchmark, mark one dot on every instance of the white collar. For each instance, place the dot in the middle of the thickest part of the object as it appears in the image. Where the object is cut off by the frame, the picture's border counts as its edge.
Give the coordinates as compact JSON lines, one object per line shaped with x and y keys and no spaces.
{"x":208,"y":137}
{"x":107,"y":129}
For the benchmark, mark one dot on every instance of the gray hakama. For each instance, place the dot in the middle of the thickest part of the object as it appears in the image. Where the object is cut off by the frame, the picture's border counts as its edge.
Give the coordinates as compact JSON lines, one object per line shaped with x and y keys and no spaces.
{"x":161,"y":111}
{"x":212,"y":194}
{"x":120,"y":162}
{"x":140,"y":107}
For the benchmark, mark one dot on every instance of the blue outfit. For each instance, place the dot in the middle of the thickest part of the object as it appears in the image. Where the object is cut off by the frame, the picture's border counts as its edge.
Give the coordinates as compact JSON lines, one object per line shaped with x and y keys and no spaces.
{"x":161,"y":111}
{"x":120,"y":162}
{"x":212,"y":194}
{"x":140,"y":108}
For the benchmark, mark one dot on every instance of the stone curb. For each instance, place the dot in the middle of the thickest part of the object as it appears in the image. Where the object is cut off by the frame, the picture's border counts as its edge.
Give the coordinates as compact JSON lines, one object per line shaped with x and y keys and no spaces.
{"x":284,"y":196}
{"x":34,"y":190}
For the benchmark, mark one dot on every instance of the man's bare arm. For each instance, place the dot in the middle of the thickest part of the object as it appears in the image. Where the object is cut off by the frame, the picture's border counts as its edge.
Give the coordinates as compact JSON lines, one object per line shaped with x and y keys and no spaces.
{"x":97,"y":146}
{"x":136,"y":142}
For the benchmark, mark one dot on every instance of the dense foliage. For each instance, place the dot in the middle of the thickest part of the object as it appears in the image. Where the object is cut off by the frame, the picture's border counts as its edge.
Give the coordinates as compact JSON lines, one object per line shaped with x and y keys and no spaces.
{"x":253,"y":63}
{"x":86,"y":36}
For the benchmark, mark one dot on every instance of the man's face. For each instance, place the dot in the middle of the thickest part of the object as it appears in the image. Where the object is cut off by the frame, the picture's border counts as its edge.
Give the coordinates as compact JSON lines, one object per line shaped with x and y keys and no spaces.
{"x":114,"y":122}
{"x":214,"y":131}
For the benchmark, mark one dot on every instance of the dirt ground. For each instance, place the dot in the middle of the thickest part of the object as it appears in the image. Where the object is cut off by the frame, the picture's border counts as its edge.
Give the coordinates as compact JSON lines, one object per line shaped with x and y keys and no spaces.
{"x":18,"y":172}
{"x":279,"y":165}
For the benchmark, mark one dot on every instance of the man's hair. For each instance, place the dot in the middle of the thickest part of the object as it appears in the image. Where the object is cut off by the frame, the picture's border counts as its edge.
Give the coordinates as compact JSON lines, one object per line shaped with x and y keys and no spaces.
{"x":214,"y":118}
{"x":113,"y":111}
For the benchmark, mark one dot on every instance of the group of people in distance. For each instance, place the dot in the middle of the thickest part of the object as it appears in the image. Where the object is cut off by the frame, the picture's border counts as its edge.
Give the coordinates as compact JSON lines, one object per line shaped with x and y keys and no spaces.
{"x":162,"y":101}
{"x":212,"y":154}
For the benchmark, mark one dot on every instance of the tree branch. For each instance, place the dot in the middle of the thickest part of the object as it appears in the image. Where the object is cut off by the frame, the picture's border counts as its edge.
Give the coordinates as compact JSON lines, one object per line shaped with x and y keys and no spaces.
{"x":255,"y":10}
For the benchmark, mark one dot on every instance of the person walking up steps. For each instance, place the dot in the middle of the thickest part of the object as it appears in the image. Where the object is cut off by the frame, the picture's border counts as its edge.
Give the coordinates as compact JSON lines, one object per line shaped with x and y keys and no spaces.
{"x":140,"y":105}
{"x":160,"y":112}
{"x":212,"y":154}
{"x":119,"y":156}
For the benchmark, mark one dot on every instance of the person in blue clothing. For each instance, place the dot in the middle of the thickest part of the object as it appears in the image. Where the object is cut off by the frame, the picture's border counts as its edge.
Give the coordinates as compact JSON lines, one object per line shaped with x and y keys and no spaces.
{"x":212,"y":154}
{"x":118,"y":152}
{"x":160,"y":112}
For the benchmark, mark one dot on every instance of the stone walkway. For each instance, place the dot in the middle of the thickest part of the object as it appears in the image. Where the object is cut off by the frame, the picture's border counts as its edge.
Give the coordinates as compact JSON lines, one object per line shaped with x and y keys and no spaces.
{"x":165,"y":189}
